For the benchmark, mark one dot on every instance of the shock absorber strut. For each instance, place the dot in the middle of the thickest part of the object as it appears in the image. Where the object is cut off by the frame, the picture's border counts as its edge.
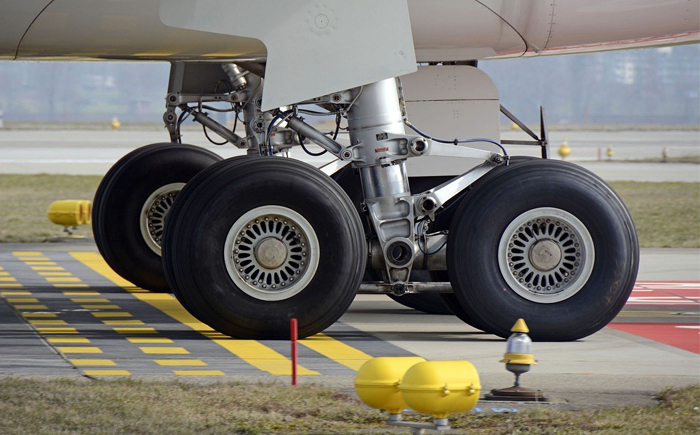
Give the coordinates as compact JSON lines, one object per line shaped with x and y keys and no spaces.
{"x":378,"y":141}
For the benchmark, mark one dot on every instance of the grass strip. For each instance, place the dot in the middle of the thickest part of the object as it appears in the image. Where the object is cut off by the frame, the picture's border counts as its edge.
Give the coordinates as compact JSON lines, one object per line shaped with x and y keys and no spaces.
{"x":144,"y":408}
{"x":667,"y":215}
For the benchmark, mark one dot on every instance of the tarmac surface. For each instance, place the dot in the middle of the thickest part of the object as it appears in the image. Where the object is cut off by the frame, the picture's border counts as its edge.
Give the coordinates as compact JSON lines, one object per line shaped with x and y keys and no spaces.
{"x":64,"y":313}
{"x":94,"y":152}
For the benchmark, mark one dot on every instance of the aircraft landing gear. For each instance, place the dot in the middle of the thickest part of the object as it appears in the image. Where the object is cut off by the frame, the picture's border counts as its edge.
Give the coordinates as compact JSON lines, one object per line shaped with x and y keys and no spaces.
{"x":131,"y":203}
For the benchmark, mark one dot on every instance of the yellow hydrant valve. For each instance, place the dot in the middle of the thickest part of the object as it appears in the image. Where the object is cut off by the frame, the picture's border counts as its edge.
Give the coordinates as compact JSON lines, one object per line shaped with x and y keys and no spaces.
{"x":664,"y":155}
{"x":610,"y":153}
{"x":441,"y":388}
{"x":115,"y":123}
{"x":70,"y":213}
{"x":378,"y":380}
{"x":564,"y":150}
{"x":518,"y":360}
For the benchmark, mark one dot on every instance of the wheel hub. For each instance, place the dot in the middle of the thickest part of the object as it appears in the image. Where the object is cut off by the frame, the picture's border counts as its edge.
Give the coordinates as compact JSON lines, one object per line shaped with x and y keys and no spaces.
{"x":546,"y":255}
{"x":153,"y":213}
{"x":271,"y":253}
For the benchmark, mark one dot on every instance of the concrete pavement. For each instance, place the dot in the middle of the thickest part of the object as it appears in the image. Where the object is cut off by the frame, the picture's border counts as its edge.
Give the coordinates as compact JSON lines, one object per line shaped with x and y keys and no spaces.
{"x":64,"y":313}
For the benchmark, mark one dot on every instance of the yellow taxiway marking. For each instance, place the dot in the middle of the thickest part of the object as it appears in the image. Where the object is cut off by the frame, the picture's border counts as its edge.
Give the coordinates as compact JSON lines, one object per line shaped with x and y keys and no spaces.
{"x":38,"y":268}
{"x":15,"y":293}
{"x":149,"y":340}
{"x":113,"y":314}
{"x":8,"y":279}
{"x":27,"y":254}
{"x":16,"y":300}
{"x":123,"y":322}
{"x":336,"y":350}
{"x":199,"y":373}
{"x":181,"y":362}
{"x":48,"y":322}
{"x":87,"y":300}
{"x":31,"y":307}
{"x":4,"y":273}
{"x":73,"y":286}
{"x":107,"y":372}
{"x":252,"y":352}
{"x":135,"y":330}
{"x":92,"y":362}
{"x":61,"y":279}
{"x":14,"y":285}
{"x":68,"y":340}
{"x":85,"y":349}
{"x":57,"y":330}
{"x":55,"y":274}
{"x":101,"y":307}
{"x":40,"y":263}
{"x":45,"y":315}
{"x":81,"y":293}
{"x":164,"y":350}
{"x":34,"y":259}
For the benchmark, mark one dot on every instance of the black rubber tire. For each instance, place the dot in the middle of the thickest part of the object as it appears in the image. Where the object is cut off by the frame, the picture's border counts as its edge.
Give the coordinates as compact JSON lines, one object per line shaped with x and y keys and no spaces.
{"x":443,"y":223}
{"x":207,"y":208}
{"x":120,"y":197}
{"x":428,"y":303}
{"x":479,"y":223}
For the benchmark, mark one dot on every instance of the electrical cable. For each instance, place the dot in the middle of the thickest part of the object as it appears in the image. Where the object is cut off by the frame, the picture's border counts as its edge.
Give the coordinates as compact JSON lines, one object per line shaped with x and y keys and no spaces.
{"x":420,"y":246}
{"x":456,"y":141}
{"x":204,"y":129}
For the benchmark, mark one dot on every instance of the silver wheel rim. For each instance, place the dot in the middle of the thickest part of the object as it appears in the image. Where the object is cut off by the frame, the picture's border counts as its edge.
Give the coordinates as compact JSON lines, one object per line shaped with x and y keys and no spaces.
{"x":271,"y":253}
{"x":153,"y":214}
{"x":546,"y":255}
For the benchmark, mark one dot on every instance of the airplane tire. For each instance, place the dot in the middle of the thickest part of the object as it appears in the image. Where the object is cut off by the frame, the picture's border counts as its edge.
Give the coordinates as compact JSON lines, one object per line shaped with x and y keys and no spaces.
{"x":254,"y":242}
{"x":426,"y":302}
{"x":142,"y":183}
{"x":443,"y":223}
{"x":546,"y":241}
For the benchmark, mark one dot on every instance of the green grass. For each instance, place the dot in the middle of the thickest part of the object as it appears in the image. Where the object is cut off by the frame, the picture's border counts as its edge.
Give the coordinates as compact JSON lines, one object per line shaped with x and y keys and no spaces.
{"x":24,"y":200}
{"x":173,"y":408}
{"x":666,"y":214}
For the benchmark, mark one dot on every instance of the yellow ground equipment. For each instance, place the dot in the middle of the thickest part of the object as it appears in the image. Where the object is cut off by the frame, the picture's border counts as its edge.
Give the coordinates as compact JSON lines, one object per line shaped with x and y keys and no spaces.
{"x":564,"y":149}
{"x":441,"y":388}
{"x":438,"y":388}
{"x":378,"y":380}
{"x":70,"y":213}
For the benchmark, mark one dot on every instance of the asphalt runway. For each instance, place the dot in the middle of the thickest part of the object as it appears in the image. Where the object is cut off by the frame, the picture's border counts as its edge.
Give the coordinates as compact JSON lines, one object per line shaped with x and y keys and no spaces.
{"x":94,"y":152}
{"x":65,"y":313}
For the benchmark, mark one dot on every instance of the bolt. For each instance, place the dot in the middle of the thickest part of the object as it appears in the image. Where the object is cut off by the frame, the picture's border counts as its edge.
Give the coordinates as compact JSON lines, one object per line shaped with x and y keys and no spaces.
{"x":297,"y":272}
{"x":274,"y":286}
{"x":283,"y":284}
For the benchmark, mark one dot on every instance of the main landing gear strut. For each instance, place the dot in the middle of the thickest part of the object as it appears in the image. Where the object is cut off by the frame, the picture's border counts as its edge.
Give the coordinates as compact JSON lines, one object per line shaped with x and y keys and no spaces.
{"x":250,"y":242}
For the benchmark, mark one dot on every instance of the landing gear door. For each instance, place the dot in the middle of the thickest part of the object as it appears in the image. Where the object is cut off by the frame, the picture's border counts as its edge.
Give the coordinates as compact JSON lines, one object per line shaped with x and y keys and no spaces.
{"x":313,"y":48}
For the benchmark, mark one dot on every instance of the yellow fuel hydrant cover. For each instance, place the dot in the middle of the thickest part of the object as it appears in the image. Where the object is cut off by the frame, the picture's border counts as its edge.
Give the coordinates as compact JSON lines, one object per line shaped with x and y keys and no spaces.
{"x":441,"y":388}
{"x":69,"y":212}
{"x":377,"y":382}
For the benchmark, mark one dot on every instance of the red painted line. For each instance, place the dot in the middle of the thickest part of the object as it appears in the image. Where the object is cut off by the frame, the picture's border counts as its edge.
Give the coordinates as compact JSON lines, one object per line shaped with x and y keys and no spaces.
{"x":682,"y":336}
